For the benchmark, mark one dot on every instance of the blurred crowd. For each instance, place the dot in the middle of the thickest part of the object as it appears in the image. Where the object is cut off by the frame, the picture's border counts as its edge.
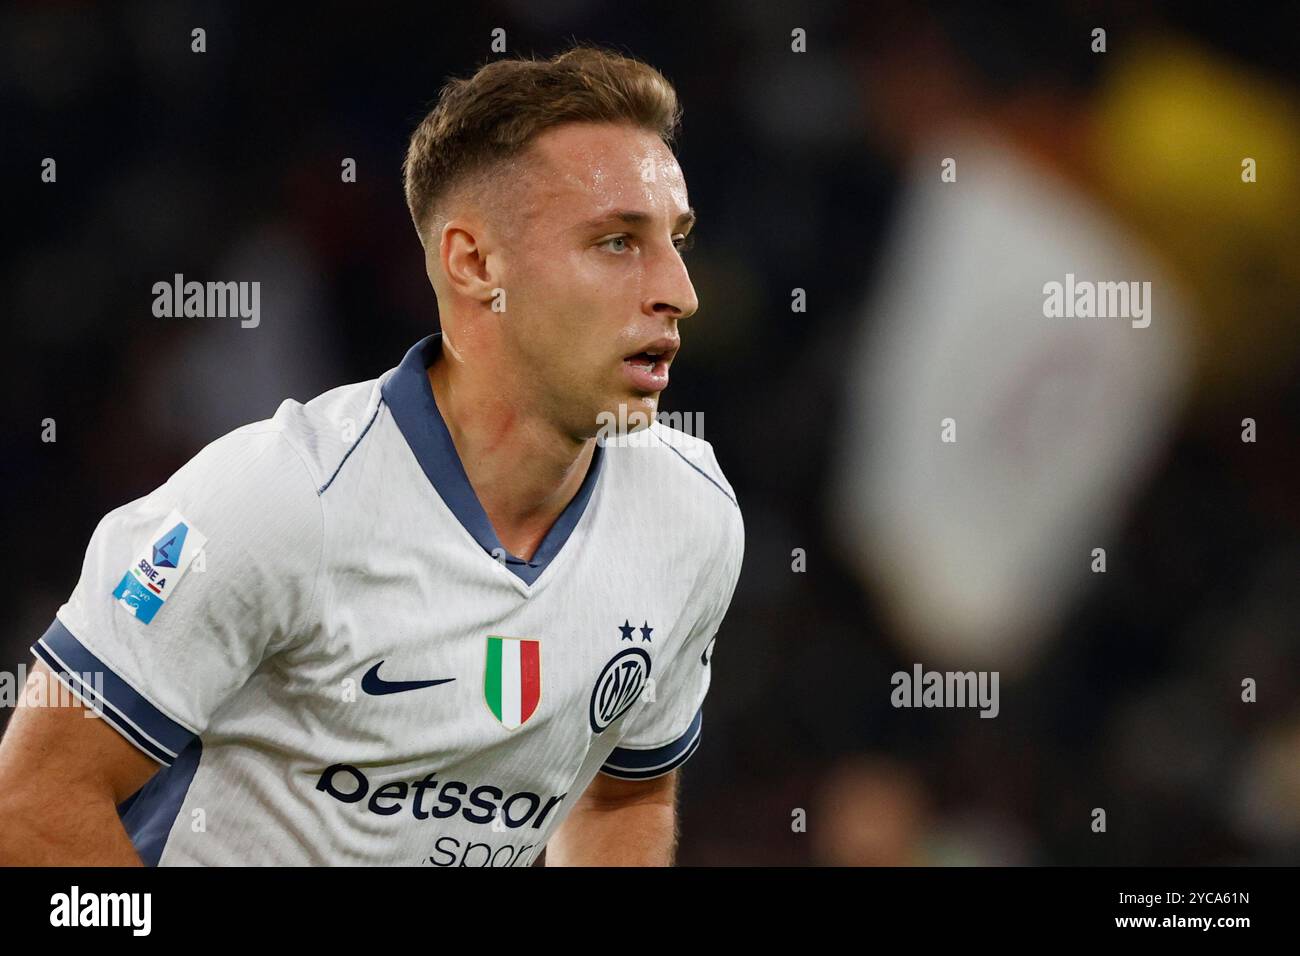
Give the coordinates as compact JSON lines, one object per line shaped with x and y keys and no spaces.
{"x":872,"y":544}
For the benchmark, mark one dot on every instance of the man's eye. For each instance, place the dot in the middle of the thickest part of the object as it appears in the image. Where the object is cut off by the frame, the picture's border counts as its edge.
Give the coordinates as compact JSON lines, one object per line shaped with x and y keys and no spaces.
{"x":622,"y":243}
{"x":684,"y":243}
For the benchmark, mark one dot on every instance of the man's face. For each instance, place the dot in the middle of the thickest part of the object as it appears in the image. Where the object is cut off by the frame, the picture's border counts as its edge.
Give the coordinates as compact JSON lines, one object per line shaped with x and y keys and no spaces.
{"x":593,"y":275}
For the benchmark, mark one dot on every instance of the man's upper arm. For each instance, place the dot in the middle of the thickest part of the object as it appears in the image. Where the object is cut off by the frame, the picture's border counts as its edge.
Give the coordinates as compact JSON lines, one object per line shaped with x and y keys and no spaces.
{"x":48,"y":750}
{"x":185,"y":591}
{"x":606,"y":792}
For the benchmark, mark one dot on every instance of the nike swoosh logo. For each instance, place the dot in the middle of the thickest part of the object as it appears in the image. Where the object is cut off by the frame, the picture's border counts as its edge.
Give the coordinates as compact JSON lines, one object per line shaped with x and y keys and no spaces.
{"x":376,"y":686}
{"x":704,"y":655}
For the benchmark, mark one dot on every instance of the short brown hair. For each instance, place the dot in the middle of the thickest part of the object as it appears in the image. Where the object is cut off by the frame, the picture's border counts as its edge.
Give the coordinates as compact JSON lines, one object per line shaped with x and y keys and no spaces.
{"x":492,"y":116}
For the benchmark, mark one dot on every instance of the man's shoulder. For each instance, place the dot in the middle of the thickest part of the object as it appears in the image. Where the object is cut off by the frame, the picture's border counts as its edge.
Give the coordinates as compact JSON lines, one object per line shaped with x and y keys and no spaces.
{"x":677,"y":475}
{"x":325,"y":430}
{"x":697,"y":455}
{"x":685,"y":488}
{"x":270,"y":473}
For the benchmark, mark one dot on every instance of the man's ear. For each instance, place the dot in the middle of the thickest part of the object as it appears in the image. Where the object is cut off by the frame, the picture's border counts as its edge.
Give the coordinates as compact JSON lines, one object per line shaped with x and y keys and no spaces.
{"x":464,"y":256}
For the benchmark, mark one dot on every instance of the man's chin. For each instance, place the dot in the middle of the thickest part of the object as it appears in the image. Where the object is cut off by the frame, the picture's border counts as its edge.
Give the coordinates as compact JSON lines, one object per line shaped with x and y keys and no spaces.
{"x":629,"y":416}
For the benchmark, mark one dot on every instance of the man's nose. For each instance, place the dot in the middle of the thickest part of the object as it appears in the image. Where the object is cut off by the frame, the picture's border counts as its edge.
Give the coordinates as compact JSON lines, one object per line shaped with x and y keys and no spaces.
{"x":671,"y":293}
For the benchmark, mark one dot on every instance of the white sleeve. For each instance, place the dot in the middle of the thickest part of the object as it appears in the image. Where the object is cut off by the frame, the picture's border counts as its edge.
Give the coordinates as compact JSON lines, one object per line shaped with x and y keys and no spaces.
{"x":183,"y":592}
{"x":665,"y":730}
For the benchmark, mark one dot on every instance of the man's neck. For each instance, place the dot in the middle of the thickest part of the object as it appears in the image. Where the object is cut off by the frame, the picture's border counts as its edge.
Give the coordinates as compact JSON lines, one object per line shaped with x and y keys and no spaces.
{"x":523,"y":471}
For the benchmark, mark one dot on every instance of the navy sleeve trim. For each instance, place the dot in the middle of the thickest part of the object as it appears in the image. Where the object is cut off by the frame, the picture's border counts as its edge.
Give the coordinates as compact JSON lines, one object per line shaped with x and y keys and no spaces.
{"x":125,"y":709}
{"x":629,"y":763}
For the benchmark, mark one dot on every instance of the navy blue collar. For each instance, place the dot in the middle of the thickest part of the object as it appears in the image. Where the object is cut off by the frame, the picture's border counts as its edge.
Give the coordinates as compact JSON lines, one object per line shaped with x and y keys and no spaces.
{"x":410,"y":397}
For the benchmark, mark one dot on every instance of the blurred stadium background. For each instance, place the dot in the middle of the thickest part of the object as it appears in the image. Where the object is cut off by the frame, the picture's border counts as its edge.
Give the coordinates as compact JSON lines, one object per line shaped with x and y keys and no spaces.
{"x":817,"y":171}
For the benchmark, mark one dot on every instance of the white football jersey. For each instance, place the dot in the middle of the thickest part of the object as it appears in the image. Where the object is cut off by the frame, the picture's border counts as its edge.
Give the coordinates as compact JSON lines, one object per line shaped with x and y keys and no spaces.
{"x":314,"y":628}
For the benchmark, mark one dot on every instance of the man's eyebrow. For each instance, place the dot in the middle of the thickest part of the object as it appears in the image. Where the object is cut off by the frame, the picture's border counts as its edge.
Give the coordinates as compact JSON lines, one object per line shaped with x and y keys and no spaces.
{"x":634,"y":217}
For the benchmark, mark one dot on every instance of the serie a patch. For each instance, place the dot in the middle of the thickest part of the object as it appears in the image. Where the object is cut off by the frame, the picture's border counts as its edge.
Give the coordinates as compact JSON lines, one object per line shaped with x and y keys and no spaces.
{"x":159,"y":568}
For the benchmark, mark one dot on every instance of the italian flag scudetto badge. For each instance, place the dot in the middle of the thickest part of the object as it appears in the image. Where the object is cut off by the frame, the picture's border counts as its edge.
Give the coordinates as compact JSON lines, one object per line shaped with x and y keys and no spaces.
{"x":512,"y":681}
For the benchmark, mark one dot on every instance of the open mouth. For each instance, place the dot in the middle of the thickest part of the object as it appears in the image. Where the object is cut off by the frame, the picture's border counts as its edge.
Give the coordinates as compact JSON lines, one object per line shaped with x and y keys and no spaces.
{"x":647,"y":360}
{"x":648,"y":368}
{"x":660,"y":350}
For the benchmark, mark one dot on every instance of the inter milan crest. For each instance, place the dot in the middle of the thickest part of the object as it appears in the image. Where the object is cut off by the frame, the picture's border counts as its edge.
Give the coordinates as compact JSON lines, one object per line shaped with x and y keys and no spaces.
{"x":620,"y":682}
{"x":512,"y":680}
